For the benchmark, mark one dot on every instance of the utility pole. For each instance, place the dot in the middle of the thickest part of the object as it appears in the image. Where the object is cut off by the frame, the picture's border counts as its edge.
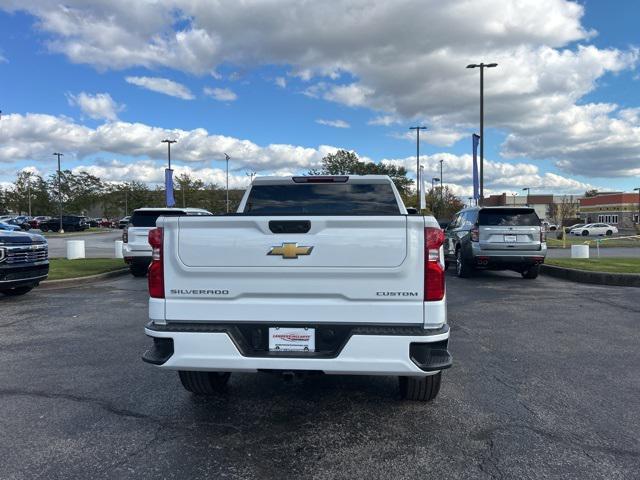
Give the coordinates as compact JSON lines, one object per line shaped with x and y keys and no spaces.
{"x":638,"y":189}
{"x":528,"y":190}
{"x":482,"y":66}
{"x":61,"y":230}
{"x":251,"y":174}
{"x":168,"y":142}
{"x":126,"y":200}
{"x":417,"y":129}
{"x":227,"y":157}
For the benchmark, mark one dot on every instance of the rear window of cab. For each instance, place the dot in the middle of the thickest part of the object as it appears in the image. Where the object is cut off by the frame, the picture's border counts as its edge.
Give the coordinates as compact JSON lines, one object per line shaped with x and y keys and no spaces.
{"x":523,"y":217}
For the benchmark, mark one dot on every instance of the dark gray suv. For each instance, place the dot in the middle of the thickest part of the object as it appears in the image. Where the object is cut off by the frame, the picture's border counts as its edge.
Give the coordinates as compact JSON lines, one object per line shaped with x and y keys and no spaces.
{"x":495,"y":238}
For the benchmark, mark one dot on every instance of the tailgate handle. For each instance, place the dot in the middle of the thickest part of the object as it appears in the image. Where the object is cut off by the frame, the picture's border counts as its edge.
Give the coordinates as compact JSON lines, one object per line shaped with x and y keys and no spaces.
{"x":289,"y":226}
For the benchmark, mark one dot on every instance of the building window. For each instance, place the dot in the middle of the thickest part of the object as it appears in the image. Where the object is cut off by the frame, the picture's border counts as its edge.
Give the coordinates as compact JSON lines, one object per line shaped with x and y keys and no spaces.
{"x":636,"y":218}
{"x":610,"y":219}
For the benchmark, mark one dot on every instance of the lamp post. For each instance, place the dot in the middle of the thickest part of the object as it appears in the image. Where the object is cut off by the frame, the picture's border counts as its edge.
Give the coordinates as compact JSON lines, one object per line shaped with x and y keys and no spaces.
{"x":60,"y":229}
{"x":29,"y":191}
{"x":515,"y":194}
{"x":528,"y":190}
{"x":441,"y":184}
{"x":417,"y":129}
{"x":470,"y":201}
{"x":227,"y":157}
{"x":168,"y":142}
{"x":638,"y":189}
{"x":482,"y":66}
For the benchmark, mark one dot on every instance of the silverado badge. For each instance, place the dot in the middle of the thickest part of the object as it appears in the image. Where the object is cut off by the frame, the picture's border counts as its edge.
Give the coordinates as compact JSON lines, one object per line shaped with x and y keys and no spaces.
{"x":290,"y":250}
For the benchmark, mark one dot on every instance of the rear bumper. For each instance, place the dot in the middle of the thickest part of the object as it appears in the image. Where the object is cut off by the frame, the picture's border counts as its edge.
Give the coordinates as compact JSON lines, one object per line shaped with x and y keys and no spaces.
{"x":365,"y":351}
{"x":506,"y":258}
{"x":136,"y":254}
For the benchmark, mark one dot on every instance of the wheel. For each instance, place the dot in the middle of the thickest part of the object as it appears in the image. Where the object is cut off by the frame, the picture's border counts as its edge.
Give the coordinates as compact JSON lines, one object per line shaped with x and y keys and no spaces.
{"x":15,"y":291}
{"x":463,"y":269}
{"x":585,"y":233}
{"x":609,"y":233}
{"x":44,"y":228}
{"x":138,"y":269}
{"x":532,"y":272}
{"x":420,"y":389}
{"x":204,"y":383}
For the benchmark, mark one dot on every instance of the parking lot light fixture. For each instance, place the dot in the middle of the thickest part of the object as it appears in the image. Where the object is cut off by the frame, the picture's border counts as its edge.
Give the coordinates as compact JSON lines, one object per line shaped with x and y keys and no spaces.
{"x":482,"y":66}
{"x":57,"y":154}
{"x":528,"y":190}
{"x":417,"y":129}
{"x":638,"y":190}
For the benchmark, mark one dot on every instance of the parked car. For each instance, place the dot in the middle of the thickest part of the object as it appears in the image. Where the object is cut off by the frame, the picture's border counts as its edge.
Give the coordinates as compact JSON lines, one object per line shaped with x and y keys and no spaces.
{"x":24,"y":262}
{"x":70,"y":223}
{"x":571,"y":227}
{"x":594,"y":229}
{"x":551,"y":227}
{"x":135,"y":238}
{"x":8,"y":227}
{"x":92,"y":222}
{"x":496,"y":238}
{"x":20,"y":222}
{"x":122,"y":224}
{"x":35,"y":221}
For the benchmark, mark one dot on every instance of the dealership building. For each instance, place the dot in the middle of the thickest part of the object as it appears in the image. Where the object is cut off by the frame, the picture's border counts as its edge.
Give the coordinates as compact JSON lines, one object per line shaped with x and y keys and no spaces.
{"x":619,"y":209}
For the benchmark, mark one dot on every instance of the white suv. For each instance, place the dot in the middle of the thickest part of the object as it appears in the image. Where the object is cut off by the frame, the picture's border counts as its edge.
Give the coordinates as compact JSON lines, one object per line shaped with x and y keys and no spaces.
{"x":135,"y":247}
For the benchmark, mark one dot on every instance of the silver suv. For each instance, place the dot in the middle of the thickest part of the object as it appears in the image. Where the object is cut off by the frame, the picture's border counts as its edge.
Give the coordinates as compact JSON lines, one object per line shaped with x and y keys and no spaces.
{"x":495,"y":238}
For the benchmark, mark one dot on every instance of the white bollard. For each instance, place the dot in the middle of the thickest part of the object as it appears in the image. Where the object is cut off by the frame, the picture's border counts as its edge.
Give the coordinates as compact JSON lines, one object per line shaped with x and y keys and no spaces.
{"x":75,"y":249}
{"x":579,"y":251}
{"x":119,"y":249}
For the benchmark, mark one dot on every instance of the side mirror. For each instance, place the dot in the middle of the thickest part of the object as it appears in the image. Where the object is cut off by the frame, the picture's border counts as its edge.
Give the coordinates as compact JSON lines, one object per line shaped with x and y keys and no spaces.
{"x":412,"y":210}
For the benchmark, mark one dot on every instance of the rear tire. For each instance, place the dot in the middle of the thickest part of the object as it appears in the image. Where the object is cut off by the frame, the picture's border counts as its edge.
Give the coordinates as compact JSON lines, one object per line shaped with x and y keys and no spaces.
{"x":609,"y":233}
{"x":204,"y":383}
{"x":585,"y":233}
{"x":14,"y":292}
{"x":463,"y":269}
{"x":138,"y":269}
{"x":420,"y":389}
{"x":531,"y":272}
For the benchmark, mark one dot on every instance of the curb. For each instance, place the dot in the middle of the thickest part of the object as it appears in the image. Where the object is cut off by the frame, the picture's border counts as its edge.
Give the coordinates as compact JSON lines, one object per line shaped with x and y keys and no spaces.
{"x":597,"y":278}
{"x":72,"y":282}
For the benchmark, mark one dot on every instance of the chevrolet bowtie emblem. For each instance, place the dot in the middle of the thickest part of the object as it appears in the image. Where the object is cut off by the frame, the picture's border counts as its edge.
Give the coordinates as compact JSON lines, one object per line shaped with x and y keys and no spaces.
{"x":290,"y":250}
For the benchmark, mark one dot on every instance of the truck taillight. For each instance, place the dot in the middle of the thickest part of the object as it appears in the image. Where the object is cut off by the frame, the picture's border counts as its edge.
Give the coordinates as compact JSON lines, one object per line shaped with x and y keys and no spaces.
{"x":433,"y":264}
{"x":475,"y":233}
{"x":125,"y":236}
{"x":543,"y":235}
{"x":156,"y":269}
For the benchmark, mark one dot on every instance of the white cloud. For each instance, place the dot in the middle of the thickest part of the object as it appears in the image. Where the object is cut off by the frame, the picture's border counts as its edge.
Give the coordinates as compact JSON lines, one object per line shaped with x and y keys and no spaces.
{"x":99,"y":106}
{"x":220,"y":94}
{"x":35,"y":136}
{"x":390,"y":62}
{"x":281,"y":82}
{"x":162,"y":85}
{"x":32,"y":137}
{"x":334,"y":123}
{"x":384,"y":120}
{"x":3,"y":59}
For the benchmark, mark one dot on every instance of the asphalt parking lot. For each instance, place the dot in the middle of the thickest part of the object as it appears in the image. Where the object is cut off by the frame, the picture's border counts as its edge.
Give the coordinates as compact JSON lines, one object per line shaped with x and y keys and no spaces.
{"x":545,"y":384}
{"x":96,"y":245}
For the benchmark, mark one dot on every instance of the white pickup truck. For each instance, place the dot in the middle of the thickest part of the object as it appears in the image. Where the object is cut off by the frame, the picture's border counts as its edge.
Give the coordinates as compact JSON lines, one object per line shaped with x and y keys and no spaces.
{"x":313,"y":274}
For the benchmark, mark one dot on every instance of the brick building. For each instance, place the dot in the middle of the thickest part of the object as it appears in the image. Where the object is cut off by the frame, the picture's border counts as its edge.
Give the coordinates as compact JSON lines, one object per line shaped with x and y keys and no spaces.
{"x":546,"y":206}
{"x":619,"y":209}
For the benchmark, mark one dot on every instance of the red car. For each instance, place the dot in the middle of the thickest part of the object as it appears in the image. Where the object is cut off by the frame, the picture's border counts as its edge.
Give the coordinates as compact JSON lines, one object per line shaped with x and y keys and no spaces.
{"x":35,"y":221}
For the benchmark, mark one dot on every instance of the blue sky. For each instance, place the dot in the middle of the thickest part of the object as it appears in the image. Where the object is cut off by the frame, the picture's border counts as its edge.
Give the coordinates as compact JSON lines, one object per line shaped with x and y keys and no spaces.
{"x":549,"y":125}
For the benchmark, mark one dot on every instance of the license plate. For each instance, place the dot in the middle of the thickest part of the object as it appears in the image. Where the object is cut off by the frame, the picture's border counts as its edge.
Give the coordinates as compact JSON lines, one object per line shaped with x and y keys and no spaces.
{"x":510,"y":238}
{"x":285,"y":339}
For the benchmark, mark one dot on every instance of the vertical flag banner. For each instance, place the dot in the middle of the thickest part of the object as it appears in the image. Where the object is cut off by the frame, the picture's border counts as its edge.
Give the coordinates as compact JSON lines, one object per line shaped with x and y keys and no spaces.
{"x":476,"y":187}
{"x":168,"y":187}
{"x":423,"y":190}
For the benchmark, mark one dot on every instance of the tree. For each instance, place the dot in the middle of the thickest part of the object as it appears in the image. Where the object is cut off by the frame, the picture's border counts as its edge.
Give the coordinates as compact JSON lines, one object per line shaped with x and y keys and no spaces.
{"x":190,"y":190}
{"x":442,"y":204}
{"x":347,"y":163}
{"x":591,"y":193}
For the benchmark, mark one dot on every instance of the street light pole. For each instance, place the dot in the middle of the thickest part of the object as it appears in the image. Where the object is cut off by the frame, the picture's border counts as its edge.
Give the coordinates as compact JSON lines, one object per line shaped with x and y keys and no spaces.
{"x":638,"y":189}
{"x":482,"y":66}
{"x":514,"y":198}
{"x":441,"y":184}
{"x":227,"y":157}
{"x":168,"y":142}
{"x":61,"y":230}
{"x":417,"y":129}
{"x":528,"y":190}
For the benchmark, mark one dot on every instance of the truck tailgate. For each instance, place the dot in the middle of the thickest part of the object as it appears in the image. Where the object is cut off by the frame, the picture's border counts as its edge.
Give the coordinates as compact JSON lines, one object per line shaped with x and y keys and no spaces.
{"x":343,"y":269}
